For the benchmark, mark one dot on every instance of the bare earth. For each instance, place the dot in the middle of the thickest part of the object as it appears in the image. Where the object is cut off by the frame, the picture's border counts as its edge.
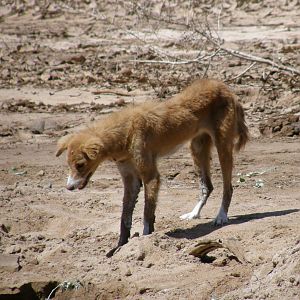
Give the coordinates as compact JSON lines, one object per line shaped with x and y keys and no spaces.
{"x":52,"y":61}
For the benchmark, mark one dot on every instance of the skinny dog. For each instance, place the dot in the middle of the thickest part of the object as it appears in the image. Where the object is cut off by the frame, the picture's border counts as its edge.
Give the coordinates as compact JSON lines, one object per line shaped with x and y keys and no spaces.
{"x":205,"y":113}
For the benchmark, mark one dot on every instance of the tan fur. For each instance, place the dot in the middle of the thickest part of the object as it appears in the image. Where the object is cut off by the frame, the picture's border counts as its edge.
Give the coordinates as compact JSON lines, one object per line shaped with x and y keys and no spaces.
{"x":205,"y":113}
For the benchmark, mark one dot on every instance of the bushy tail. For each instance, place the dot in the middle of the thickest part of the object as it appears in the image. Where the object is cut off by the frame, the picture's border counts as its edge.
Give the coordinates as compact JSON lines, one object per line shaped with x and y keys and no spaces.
{"x":241,"y":127}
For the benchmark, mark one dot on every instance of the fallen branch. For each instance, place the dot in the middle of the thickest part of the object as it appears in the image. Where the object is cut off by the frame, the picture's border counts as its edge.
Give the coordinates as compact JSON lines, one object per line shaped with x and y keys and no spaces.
{"x":118,"y":93}
{"x":251,"y":57}
{"x":244,"y":72}
{"x":182,"y":62}
{"x":217,"y":43}
{"x":167,"y":62}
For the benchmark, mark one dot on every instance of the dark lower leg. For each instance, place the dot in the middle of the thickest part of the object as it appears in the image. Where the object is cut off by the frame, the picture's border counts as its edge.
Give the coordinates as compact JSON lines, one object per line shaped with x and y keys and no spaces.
{"x":132,"y":185}
{"x":151,"y":192}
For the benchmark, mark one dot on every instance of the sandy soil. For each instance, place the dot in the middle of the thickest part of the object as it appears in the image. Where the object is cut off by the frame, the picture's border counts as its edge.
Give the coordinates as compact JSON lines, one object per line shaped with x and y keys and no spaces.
{"x":54,"y":60}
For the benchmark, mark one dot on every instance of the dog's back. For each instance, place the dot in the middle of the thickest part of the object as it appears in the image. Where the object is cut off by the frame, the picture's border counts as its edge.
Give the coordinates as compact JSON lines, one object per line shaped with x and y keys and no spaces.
{"x":206,"y":106}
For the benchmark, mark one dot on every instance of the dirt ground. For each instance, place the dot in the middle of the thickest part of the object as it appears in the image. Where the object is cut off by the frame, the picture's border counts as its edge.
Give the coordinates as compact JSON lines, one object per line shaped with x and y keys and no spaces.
{"x":55,"y":58}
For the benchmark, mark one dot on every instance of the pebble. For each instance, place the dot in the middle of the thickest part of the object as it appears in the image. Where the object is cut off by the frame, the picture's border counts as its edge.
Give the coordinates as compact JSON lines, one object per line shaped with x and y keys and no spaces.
{"x":41,"y":173}
{"x":37,"y":127}
{"x":13,"y":249}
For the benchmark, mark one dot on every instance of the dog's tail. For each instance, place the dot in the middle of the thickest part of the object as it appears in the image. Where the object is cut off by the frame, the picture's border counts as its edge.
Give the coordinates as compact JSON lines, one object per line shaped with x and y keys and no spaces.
{"x":241,"y":128}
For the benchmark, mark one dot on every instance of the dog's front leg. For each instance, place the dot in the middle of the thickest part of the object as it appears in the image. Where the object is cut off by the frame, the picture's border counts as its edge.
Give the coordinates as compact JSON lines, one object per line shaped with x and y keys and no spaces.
{"x":151,"y":185}
{"x":145,"y":163}
{"x":132,"y":185}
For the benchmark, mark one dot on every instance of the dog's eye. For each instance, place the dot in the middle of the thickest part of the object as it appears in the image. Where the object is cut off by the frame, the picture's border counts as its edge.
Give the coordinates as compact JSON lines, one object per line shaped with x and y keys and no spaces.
{"x":79,"y":166}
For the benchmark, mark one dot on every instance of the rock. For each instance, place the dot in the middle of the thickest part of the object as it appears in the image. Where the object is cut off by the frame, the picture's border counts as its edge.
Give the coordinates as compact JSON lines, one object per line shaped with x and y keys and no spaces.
{"x":52,"y":125}
{"x":6,"y":131}
{"x":13,"y":249}
{"x":33,"y":261}
{"x":3,"y":228}
{"x":80,"y":59}
{"x":45,"y":76}
{"x":126,"y":72}
{"x":9,"y":262}
{"x":37,"y":127}
{"x":141,"y":255}
{"x":120,"y":102}
{"x":41,"y":173}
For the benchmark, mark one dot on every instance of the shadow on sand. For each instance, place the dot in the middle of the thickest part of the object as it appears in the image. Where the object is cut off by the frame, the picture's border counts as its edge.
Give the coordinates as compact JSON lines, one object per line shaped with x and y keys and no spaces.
{"x":201,"y":230}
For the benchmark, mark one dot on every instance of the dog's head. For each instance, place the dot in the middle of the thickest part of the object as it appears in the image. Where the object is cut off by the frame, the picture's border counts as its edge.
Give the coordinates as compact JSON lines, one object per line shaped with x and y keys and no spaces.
{"x":83,"y":157}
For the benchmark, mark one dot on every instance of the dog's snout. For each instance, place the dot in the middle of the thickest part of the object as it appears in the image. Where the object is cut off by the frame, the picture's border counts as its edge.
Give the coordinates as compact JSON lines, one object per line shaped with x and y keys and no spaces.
{"x":72,"y":183}
{"x":70,"y":187}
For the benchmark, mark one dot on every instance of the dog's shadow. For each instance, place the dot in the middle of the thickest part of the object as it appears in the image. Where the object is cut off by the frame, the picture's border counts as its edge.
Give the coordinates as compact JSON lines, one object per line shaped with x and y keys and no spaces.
{"x":203,"y":229}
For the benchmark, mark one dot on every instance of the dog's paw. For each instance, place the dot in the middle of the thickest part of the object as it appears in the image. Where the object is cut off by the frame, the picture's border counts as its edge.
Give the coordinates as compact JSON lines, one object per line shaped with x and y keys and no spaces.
{"x":221,"y":218}
{"x":189,"y":216}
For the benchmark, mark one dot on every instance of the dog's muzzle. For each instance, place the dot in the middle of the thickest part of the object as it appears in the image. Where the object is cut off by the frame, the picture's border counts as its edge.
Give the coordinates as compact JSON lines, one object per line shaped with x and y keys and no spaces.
{"x":80,"y":183}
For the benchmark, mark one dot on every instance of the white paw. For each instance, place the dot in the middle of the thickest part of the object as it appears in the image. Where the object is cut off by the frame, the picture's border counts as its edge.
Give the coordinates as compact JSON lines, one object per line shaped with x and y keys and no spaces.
{"x":221,"y":218}
{"x":189,"y":216}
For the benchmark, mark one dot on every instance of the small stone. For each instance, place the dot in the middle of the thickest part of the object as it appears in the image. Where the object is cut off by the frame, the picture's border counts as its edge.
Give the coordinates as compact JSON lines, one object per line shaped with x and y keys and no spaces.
{"x":45,"y":76}
{"x":150,"y":265}
{"x":37,"y":127}
{"x":3,"y":228}
{"x":120,"y":102}
{"x":292,"y":279}
{"x":33,"y":261}
{"x":40,"y":237}
{"x":13,"y":249}
{"x":41,"y":173}
{"x":143,"y":290}
{"x":6,"y":131}
{"x":141,"y":256}
{"x":51,"y":125}
{"x":126,"y":72}
{"x":128,"y":273}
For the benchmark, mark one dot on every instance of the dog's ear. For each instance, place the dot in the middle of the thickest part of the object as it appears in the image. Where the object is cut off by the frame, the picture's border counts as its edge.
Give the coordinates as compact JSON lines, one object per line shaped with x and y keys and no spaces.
{"x":62,"y":144}
{"x":91,"y":148}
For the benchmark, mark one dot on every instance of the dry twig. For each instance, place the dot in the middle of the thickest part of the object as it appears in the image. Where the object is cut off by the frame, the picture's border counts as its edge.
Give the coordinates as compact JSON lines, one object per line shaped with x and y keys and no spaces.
{"x":244,"y":72}
{"x":118,"y":93}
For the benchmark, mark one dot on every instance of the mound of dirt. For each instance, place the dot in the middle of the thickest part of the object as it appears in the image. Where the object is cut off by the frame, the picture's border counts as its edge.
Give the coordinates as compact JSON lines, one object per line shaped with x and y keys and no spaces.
{"x":280,"y":276}
{"x":287,"y":125}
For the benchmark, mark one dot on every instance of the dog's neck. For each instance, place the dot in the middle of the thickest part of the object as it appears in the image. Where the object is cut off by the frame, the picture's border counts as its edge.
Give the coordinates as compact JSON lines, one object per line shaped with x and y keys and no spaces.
{"x":113,"y":145}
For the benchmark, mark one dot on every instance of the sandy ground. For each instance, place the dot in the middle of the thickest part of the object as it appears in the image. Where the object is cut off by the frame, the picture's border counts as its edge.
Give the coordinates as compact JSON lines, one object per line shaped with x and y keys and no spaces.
{"x":54,"y":60}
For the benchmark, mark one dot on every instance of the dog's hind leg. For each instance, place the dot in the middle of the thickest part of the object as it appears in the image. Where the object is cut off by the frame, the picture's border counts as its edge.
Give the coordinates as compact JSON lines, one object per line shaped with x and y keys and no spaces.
{"x":132,"y":185}
{"x":225,"y":151}
{"x":201,"y":153}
